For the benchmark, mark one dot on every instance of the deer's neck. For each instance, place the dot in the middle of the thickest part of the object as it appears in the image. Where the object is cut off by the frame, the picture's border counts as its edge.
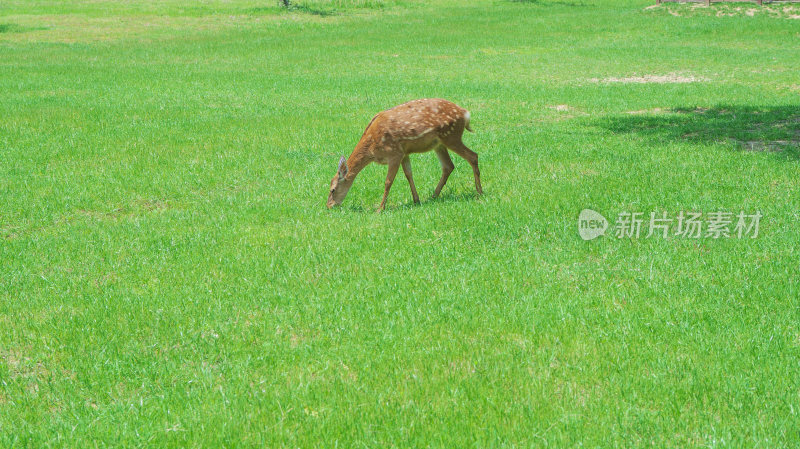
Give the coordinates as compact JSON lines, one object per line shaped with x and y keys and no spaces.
{"x":360,"y":158}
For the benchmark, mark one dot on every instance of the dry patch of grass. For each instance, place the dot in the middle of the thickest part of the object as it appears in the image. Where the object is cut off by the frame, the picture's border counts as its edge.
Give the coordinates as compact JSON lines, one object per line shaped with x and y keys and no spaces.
{"x":18,"y":365}
{"x":760,"y":145}
{"x":647,"y":111}
{"x":77,"y":28}
{"x":566,"y":111}
{"x":670,"y":78}
{"x":136,"y":208}
{"x":726,"y":10}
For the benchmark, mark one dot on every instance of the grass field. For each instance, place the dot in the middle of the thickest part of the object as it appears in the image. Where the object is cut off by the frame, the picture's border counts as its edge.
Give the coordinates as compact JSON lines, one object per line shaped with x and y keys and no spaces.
{"x":170,"y":276}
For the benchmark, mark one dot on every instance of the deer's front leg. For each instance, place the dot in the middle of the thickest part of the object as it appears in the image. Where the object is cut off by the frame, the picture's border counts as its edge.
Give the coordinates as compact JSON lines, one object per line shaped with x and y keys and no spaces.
{"x":407,"y":170}
{"x":393,"y":167}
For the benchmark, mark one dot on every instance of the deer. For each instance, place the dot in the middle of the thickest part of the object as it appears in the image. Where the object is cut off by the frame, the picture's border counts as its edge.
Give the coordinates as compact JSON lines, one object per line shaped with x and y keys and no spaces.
{"x":393,"y":135}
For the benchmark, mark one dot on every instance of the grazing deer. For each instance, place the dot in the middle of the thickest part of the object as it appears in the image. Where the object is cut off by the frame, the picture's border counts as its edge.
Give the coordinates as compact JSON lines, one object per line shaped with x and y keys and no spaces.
{"x":414,"y":127}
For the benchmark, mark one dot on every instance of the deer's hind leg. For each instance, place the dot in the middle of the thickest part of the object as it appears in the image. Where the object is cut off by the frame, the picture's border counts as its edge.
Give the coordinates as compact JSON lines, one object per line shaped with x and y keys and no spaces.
{"x":454,"y":143}
{"x":447,"y":167}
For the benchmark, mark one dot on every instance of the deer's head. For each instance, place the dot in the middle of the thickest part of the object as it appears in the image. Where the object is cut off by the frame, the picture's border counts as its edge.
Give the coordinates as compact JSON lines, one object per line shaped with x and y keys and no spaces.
{"x":339,"y":185}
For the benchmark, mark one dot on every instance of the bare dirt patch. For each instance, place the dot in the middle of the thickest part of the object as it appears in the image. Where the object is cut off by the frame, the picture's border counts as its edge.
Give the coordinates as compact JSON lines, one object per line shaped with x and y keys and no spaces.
{"x":647,"y":111}
{"x":724,"y":10}
{"x":773,"y":146}
{"x":565,"y":111}
{"x":696,"y":110}
{"x":671,"y":78}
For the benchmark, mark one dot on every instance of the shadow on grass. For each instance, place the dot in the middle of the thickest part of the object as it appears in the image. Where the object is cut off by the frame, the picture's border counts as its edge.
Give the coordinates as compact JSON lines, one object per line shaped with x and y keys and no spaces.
{"x":445,"y":197}
{"x":407,"y":203}
{"x":293,"y":8}
{"x":314,"y":11}
{"x":772,"y":129}
{"x":9,"y":28}
{"x":14,"y":28}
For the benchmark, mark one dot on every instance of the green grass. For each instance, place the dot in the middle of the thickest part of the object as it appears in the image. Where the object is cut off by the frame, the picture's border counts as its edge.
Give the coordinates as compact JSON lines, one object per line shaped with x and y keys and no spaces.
{"x":170,"y":276}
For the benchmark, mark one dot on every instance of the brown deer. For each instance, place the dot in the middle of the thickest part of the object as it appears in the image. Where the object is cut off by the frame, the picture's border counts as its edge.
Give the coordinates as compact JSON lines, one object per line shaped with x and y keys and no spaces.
{"x":414,"y":127}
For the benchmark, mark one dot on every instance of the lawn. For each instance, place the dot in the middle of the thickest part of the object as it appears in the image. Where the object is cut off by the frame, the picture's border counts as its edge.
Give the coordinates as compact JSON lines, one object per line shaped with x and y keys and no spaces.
{"x":171,"y":277}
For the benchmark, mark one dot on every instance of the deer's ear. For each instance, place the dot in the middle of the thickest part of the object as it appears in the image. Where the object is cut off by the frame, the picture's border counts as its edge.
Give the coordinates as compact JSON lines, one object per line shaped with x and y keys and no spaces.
{"x":342,"y":168}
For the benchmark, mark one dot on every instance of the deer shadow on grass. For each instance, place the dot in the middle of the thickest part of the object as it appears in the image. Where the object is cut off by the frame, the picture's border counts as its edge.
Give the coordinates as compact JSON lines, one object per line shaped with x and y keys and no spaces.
{"x":401,"y":204}
{"x":443,"y":198}
{"x":262,"y":10}
{"x":769,"y":129}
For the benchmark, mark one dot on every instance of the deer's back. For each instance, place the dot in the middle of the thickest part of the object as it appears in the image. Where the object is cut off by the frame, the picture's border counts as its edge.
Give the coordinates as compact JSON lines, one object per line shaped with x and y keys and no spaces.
{"x":417,"y":118}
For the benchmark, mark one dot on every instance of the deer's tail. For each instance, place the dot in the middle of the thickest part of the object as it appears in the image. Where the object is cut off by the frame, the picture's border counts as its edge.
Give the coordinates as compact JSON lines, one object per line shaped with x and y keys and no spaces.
{"x":466,"y":122}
